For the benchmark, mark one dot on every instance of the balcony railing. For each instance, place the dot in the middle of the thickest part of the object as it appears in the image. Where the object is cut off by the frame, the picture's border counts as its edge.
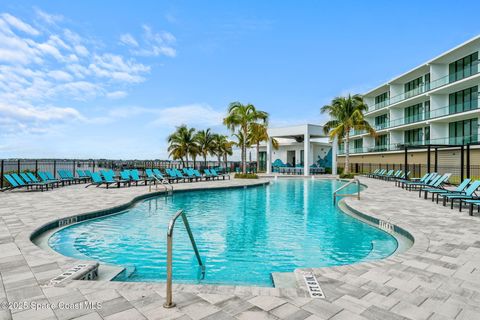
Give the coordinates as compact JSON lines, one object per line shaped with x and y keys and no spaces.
{"x":435,"y":113}
{"x":427,"y":86}
{"x":463,"y":140}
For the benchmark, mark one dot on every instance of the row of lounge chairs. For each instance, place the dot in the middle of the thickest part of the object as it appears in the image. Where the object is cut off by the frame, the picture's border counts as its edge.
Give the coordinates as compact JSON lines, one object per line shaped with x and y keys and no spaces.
{"x":46,"y":180}
{"x":435,"y":184}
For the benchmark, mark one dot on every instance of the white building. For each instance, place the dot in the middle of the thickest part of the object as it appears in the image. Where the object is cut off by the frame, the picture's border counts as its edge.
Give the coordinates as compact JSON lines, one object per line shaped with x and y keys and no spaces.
{"x":435,"y":103}
{"x":300,"y":146}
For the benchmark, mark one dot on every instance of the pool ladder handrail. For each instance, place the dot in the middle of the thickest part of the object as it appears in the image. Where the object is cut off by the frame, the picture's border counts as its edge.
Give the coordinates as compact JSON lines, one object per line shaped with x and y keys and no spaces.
{"x":336,"y":194}
{"x":180,"y":213}
{"x":163,"y":183}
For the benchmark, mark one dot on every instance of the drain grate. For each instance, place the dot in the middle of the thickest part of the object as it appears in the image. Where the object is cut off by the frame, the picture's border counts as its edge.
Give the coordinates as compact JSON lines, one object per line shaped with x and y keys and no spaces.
{"x":313,"y":286}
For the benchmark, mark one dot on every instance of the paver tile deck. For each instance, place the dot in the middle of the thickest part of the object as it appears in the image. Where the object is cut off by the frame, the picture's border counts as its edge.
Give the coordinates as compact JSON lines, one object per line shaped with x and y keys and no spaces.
{"x":437,"y":278}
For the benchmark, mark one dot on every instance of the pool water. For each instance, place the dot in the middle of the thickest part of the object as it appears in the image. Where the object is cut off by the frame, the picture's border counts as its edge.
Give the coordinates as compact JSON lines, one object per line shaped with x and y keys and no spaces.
{"x":243,"y":234}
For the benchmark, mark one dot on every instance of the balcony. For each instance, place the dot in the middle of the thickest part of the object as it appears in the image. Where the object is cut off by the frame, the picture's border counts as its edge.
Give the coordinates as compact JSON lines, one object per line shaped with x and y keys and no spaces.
{"x":428,"y":86}
{"x":454,"y":141}
{"x":435,"y":113}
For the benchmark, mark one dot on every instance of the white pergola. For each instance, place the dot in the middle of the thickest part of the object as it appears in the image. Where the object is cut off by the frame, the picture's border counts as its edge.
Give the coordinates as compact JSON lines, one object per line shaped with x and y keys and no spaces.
{"x":303,"y":132}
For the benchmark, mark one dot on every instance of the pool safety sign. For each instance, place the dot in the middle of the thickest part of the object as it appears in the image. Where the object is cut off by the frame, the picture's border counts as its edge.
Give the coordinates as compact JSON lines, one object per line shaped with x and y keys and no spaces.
{"x":313,"y":286}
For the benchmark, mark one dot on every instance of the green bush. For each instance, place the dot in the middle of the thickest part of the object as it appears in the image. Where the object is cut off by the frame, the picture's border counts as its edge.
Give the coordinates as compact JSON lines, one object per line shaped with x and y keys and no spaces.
{"x":245,"y":176}
{"x":339,"y":170}
{"x":347,"y":176}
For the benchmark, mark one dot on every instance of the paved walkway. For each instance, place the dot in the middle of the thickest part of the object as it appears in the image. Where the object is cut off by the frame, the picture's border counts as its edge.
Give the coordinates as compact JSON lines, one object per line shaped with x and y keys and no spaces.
{"x":438,"y":278}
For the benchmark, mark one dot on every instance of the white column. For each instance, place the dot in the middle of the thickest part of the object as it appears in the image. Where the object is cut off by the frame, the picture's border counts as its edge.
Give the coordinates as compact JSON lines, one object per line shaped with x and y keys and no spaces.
{"x":269,"y":156}
{"x":334,"y":155}
{"x":306,"y":153}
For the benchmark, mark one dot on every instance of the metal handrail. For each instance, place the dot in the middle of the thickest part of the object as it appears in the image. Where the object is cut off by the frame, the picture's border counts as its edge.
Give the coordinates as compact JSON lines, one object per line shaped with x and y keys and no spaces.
{"x":169,"y":301}
{"x":335,"y":193}
{"x":163,"y":183}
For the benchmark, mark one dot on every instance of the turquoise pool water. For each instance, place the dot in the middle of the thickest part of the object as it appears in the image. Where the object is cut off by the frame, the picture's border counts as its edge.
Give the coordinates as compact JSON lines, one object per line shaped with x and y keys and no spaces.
{"x":243,"y":234}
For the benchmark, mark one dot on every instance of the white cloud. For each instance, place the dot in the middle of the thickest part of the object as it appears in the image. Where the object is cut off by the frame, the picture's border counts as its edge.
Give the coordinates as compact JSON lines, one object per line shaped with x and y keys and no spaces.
{"x":153,"y":43}
{"x":44,"y":113}
{"x":129,"y":40}
{"x":40,"y":70}
{"x":60,"y":75}
{"x":19,"y":24}
{"x":47,"y":17}
{"x":193,"y":114}
{"x":116,"y":95}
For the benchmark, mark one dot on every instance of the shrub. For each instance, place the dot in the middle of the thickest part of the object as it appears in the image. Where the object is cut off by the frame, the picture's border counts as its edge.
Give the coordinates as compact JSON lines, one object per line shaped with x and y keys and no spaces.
{"x":245,"y":176}
{"x":347,"y":176}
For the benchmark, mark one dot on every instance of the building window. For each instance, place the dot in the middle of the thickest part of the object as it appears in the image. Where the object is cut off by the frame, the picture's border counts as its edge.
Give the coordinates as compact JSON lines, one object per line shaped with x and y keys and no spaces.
{"x":464,"y":131}
{"x":413,"y":87}
{"x":463,"y":100}
{"x":414,"y":136}
{"x":358,"y":145}
{"x":381,"y":121}
{"x":427,"y":135}
{"x":464,"y":67}
{"x":382,"y":97}
{"x":413,"y":113}
{"x":426,"y":109}
{"x":381,"y":142}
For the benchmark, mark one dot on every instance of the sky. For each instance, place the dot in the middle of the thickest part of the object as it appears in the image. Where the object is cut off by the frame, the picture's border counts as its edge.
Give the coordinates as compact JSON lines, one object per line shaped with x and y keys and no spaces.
{"x":112,"y":79}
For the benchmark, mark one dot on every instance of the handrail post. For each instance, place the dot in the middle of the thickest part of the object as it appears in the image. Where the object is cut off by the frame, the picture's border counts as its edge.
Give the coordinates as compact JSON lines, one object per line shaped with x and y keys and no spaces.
{"x":169,"y":302}
{"x":358,"y":189}
{"x":169,"y":297}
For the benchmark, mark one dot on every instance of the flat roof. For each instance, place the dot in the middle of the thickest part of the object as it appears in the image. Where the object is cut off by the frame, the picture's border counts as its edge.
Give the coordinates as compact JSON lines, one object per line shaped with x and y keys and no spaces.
{"x":315,"y":131}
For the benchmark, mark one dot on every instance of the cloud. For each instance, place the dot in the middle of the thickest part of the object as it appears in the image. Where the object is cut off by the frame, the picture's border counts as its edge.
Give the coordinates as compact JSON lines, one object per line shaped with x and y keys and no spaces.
{"x":193,"y":114}
{"x":116,"y":95}
{"x":42,"y":70}
{"x":44,"y":113}
{"x":153,"y":43}
{"x":19,"y":24}
{"x":47,"y":17}
{"x":128,"y":40}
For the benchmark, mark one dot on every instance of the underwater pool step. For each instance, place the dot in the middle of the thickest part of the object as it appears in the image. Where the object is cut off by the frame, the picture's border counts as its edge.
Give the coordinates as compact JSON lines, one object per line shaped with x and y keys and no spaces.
{"x":284,"y":280}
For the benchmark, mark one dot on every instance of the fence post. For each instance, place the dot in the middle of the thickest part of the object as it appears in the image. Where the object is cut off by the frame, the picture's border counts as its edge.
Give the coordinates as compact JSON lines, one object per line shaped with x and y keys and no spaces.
{"x":93,"y":165}
{"x":468,"y":161}
{"x":18,"y":166}
{"x":36,"y":166}
{"x":74,"y":166}
{"x":54,"y":168}
{"x":1,"y":175}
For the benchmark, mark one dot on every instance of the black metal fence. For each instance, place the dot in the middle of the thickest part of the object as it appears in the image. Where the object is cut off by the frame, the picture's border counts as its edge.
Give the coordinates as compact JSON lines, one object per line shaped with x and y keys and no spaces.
{"x":417,"y":170}
{"x":53,"y":165}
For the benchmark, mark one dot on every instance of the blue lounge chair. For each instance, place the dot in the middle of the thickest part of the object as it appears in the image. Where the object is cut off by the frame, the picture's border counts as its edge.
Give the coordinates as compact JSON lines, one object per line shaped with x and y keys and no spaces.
{"x":88,"y":173}
{"x":26,"y":177}
{"x":16,"y":182}
{"x":472,"y":203}
{"x":429,"y":184}
{"x":171,"y":175}
{"x":98,"y":181}
{"x":469,"y":195}
{"x":180,"y":175}
{"x":160,"y":176}
{"x":64,"y":177}
{"x":460,"y":189}
{"x":436,"y":184}
{"x":426,"y":179}
{"x":190,"y":174}
{"x":135,"y":177}
{"x":215,"y":174}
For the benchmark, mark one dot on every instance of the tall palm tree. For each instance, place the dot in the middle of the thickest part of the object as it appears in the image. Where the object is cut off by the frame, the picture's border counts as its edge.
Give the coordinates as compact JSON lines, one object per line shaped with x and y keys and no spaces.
{"x":346,"y":113}
{"x":241,"y":117}
{"x":223,"y":148}
{"x":257,"y":134}
{"x":181,"y":142}
{"x":206,"y":144}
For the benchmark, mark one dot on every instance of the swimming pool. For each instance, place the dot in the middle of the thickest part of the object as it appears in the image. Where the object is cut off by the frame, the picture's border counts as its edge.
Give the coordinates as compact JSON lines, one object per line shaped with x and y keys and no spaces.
{"x":243,"y":234}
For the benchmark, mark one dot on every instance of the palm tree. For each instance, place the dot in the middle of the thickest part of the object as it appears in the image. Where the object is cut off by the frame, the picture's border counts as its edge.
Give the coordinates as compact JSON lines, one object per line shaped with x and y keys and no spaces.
{"x":241,"y":117}
{"x":346,"y":113}
{"x":223,"y":148}
{"x":257,"y":134}
{"x":206,"y":144}
{"x":181,"y":142}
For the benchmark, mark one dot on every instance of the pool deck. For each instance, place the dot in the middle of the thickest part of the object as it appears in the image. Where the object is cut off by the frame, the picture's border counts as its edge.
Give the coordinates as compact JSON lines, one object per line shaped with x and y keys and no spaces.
{"x":438,"y":278}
